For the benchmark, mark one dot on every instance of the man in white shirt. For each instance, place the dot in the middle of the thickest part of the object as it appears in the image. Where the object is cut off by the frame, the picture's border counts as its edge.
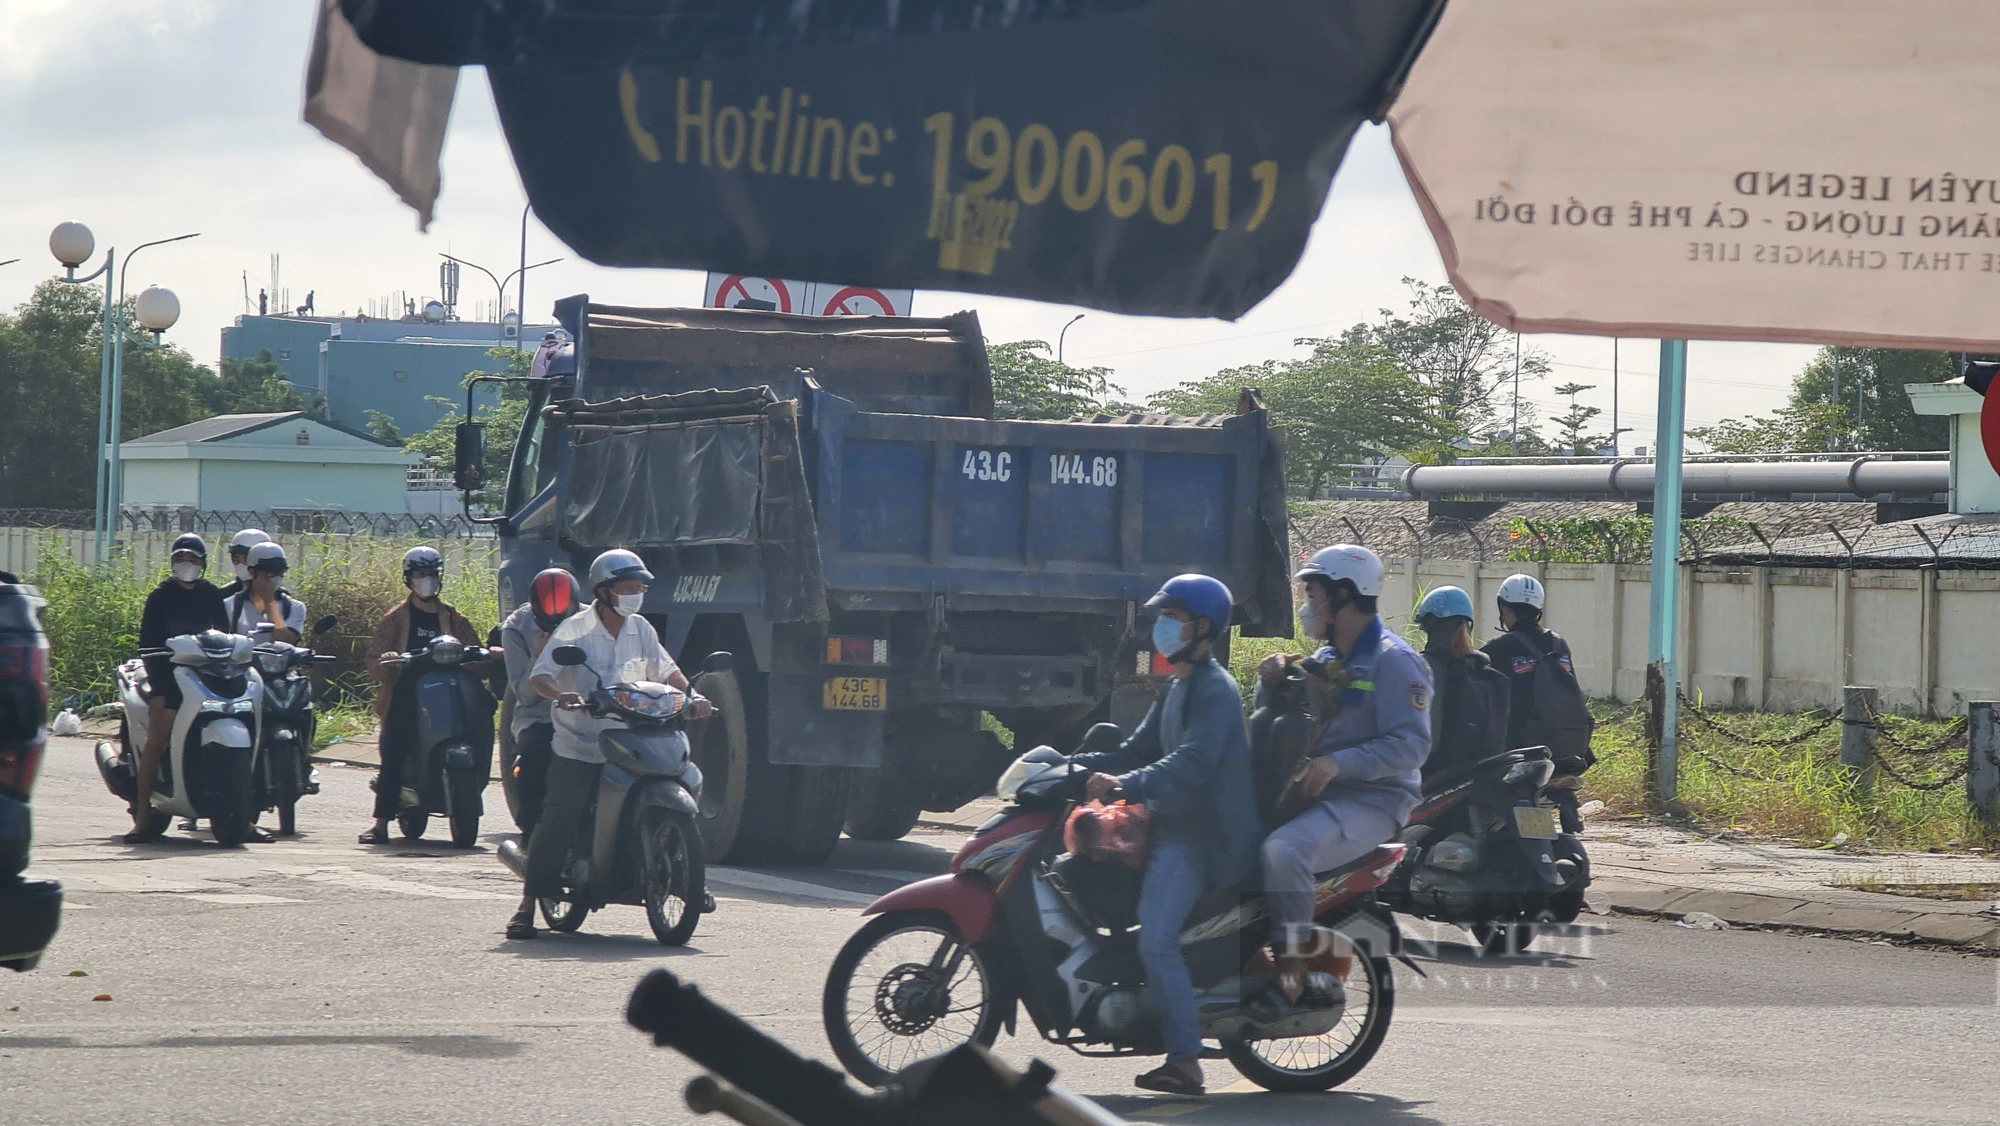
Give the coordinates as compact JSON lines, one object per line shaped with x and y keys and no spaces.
{"x":618,"y":645}
{"x":263,"y":602}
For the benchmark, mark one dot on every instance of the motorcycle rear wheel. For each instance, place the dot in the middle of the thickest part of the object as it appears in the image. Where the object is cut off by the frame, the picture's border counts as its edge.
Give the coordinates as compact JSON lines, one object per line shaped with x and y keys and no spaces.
{"x":413,"y":822}
{"x":886,"y":977}
{"x":1321,"y":1063}
{"x":1504,"y":939}
{"x":563,"y":914}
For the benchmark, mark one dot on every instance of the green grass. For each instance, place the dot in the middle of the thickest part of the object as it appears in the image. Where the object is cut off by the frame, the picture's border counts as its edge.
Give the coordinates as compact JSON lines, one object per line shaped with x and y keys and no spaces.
{"x":1799,"y":792}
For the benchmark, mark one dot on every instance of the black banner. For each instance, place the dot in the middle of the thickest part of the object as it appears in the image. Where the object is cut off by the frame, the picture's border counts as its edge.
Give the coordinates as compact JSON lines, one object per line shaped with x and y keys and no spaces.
{"x":1145,"y":156}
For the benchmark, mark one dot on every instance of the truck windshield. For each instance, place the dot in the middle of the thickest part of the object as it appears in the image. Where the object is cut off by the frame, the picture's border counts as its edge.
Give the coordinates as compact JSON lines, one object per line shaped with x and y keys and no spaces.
{"x":534,"y":455}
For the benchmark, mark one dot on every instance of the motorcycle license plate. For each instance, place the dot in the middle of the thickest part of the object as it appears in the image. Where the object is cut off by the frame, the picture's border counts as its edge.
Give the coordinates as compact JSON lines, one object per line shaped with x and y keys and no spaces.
{"x":1536,"y":823}
{"x":855,"y":694}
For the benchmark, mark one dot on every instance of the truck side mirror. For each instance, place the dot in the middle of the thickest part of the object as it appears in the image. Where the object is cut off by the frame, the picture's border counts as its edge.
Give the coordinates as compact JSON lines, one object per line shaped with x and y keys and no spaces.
{"x":569,"y":656}
{"x":719,"y":661}
{"x":470,"y":456}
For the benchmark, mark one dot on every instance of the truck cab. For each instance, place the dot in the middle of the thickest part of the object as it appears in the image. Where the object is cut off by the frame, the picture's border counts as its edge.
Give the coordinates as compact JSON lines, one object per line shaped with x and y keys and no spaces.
{"x":831,"y":500}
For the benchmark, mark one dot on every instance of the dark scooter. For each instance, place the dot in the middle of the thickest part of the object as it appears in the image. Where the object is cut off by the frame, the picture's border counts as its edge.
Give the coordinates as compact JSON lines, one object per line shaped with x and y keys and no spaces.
{"x":286,"y":722}
{"x":449,"y":762}
{"x":644,"y":848}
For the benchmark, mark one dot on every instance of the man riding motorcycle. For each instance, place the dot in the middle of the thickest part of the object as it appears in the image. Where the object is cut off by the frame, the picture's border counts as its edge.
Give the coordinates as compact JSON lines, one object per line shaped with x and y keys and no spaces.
{"x":1188,"y":763}
{"x":1469,"y":718}
{"x":1363,"y":772}
{"x":413,"y":624}
{"x":1548,"y":708}
{"x":183,"y":604}
{"x":619,"y":644}
{"x":264,"y":601}
{"x":552,"y":598}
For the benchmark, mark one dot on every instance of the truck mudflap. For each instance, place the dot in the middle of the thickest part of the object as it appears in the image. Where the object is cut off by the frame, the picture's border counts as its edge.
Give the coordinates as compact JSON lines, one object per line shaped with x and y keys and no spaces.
{"x":804,"y":732}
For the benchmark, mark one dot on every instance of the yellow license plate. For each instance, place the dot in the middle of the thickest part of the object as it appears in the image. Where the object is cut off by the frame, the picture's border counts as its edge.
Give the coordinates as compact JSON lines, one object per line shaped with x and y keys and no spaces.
{"x":855,"y":694}
{"x":1536,"y":823}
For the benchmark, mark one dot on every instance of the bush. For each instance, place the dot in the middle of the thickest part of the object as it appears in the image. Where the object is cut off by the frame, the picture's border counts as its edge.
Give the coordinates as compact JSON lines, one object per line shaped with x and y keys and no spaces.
{"x":92,"y":622}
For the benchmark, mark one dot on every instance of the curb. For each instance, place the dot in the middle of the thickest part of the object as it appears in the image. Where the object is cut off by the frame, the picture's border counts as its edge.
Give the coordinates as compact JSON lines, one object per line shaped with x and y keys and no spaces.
{"x":1666,"y":901}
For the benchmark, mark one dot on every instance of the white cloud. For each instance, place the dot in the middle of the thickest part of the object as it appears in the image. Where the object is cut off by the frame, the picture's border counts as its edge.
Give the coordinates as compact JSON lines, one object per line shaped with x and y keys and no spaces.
{"x":146,"y":120}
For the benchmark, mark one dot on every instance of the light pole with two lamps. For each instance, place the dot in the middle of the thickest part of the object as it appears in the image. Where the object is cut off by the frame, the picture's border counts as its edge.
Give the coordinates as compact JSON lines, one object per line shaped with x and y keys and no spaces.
{"x":500,"y":285}
{"x":156,"y":309}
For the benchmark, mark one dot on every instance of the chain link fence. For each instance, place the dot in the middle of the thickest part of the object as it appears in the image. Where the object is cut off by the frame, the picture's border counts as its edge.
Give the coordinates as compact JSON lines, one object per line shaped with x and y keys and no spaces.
{"x":1925,"y":766}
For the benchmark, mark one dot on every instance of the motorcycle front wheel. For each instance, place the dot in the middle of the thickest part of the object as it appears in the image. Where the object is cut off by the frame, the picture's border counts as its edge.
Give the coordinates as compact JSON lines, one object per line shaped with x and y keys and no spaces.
{"x":234,"y":807}
{"x":675,"y":876}
{"x":905,"y":988}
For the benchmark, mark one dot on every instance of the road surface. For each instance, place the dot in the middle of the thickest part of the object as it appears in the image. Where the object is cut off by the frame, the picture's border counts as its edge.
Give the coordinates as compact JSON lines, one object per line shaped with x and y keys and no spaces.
{"x":317,"y":981}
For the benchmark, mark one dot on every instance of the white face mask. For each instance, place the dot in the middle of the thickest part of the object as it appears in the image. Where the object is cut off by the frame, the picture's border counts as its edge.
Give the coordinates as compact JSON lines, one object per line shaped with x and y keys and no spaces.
{"x":187,"y":572}
{"x":426,"y":586}
{"x":628,"y":604}
{"x":243,"y":571}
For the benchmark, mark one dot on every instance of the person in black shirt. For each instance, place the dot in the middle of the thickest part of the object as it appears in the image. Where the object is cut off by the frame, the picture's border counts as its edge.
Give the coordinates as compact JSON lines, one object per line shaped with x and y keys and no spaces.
{"x":1470,"y":702}
{"x":185,"y":603}
{"x":1520,"y":650}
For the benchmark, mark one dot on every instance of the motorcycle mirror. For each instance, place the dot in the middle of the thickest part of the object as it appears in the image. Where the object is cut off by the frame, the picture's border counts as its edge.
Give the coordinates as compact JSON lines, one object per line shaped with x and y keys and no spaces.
{"x":325,"y":625}
{"x":720,"y":661}
{"x":569,"y":656}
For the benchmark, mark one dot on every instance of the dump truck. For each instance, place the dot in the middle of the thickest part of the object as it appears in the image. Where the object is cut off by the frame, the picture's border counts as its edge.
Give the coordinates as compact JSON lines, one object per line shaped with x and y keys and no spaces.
{"x":896,"y":574}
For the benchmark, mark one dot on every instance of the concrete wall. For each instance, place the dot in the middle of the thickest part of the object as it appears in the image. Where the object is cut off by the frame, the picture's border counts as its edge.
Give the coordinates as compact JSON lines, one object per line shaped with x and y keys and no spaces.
{"x":1779,"y":639}
{"x":168,"y":484}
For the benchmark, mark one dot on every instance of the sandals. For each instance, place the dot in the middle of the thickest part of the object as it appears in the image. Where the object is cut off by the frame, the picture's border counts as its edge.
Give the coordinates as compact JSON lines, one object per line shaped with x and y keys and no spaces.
{"x":259,"y":835}
{"x":375,"y":837}
{"x":522,"y":925}
{"x":1168,"y":1079}
{"x":145,"y":835}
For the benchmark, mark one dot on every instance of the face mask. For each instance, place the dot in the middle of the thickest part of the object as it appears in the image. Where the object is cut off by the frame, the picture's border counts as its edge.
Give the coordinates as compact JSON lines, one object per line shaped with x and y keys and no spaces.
{"x":1167,"y":636}
{"x":1309,"y":623}
{"x":187,"y":572}
{"x":628,"y":604}
{"x":243,"y":571}
{"x":426,"y":586}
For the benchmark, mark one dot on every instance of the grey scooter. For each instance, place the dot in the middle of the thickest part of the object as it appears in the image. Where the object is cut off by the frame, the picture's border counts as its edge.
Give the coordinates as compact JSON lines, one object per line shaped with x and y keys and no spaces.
{"x":643,"y":845}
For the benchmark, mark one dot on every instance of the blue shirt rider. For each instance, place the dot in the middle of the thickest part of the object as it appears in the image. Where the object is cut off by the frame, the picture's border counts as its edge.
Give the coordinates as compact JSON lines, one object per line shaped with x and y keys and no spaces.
{"x":1363,"y":773}
{"x":1188,"y":763}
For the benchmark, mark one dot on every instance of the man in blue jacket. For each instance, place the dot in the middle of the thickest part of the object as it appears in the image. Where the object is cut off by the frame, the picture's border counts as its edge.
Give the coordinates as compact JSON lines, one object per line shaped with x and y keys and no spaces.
{"x":1364,"y":772}
{"x":1189,"y":765}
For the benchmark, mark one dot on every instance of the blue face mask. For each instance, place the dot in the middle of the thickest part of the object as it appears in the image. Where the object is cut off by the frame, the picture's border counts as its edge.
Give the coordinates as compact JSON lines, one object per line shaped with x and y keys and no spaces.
{"x":1167,"y":636}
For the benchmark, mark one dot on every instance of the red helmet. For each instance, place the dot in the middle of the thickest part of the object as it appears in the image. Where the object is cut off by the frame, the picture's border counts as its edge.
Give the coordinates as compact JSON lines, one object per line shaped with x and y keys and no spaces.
{"x":554,"y":597}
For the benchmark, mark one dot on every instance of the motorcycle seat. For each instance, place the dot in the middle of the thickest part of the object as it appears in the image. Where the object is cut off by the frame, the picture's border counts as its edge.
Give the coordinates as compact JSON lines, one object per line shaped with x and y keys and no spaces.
{"x":1455,"y":774}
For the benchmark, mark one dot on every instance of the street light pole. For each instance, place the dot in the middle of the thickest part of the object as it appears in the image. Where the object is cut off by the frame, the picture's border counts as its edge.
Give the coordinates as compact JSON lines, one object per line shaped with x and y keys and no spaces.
{"x":1061,"y":336}
{"x":521,"y":289}
{"x":500,"y":285}
{"x":72,"y":244}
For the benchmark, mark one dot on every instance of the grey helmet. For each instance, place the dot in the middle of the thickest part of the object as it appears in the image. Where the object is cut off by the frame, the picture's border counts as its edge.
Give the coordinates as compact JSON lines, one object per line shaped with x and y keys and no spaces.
{"x":618,"y":563}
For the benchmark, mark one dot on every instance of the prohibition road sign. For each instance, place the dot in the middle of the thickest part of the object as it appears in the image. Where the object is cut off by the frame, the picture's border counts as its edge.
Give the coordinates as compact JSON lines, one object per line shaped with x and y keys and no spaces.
{"x":858,"y":300}
{"x":741,"y":291}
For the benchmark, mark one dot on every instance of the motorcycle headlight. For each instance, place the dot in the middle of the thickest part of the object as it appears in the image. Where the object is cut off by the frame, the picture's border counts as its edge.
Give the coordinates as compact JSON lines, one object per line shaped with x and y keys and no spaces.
{"x":447,"y":651}
{"x":271,"y":664}
{"x":215,"y":706}
{"x":652,"y":707}
{"x":242,"y":707}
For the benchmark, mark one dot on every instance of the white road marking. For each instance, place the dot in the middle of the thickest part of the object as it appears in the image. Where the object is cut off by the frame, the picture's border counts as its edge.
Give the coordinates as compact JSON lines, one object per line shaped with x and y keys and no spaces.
{"x":778,"y":885}
{"x":368,"y":881}
{"x":242,"y":899}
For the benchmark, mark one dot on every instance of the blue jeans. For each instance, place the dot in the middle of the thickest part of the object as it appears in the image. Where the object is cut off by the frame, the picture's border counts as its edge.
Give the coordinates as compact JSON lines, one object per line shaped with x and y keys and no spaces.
{"x":1176,"y":875}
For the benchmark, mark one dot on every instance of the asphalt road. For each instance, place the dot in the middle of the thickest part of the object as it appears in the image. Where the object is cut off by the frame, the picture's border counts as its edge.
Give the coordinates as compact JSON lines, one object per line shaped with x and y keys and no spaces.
{"x":316,"y":981}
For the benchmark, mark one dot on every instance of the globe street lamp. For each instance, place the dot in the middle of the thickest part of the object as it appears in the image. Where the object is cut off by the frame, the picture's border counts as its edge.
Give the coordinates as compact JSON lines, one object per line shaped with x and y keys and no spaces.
{"x":156,"y":310}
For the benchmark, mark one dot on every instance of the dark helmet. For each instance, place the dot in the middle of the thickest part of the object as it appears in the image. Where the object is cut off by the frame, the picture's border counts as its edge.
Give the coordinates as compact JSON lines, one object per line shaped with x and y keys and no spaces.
{"x":1199,"y":596}
{"x":421,"y":559}
{"x":191,"y":543}
{"x":553,"y":597}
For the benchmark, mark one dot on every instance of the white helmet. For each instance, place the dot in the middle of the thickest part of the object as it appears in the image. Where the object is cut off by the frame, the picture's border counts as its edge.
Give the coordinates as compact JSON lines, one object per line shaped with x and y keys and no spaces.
{"x":1523,"y":590}
{"x":1352,"y":562}
{"x":268,"y":556}
{"x":247,"y":539}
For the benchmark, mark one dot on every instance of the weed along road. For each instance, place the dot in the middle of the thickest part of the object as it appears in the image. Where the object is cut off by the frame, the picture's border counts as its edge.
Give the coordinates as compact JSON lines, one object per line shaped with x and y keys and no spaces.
{"x":315,"y":981}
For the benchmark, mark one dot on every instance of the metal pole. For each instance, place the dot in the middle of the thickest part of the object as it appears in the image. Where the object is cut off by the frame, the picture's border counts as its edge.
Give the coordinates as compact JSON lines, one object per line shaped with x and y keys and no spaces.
{"x":1662,"y":632}
{"x":99,"y":499}
{"x":1614,"y":397}
{"x":114,"y":488}
{"x":1514,"y":441}
{"x":521,"y":288}
{"x":1064,"y":335}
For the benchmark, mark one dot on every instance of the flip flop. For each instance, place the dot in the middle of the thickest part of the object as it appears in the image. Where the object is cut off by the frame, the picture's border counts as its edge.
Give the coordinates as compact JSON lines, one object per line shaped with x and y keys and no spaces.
{"x":143,"y":836}
{"x":259,"y":835}
{"x":522,"y":925}
{"x":375,"y":837}
{"x":1170,"y":1080}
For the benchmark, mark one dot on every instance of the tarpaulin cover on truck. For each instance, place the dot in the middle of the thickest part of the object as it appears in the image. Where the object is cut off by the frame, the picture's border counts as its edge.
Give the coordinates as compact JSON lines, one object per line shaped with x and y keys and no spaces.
{"x":704,"y":469}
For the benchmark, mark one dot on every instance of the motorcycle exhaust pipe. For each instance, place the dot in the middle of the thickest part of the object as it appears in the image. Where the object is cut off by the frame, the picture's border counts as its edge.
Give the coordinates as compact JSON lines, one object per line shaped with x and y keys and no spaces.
{"x":514,"y":857}
{"x":116,"y":774}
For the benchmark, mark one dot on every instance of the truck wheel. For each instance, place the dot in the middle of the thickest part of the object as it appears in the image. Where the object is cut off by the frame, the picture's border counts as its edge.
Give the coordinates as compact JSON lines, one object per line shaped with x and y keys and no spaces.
{"x":818,"y":806}
{"x":507,"y":755}
{"x":880,"y":806}
{"x":734,"y":827}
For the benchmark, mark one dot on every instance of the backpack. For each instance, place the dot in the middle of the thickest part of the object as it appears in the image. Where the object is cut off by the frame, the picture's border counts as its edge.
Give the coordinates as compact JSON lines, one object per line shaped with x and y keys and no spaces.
{"x":1561,"y":717}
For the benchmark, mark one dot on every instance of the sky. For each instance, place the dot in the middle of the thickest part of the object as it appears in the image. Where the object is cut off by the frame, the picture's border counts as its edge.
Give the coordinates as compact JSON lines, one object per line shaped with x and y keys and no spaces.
{"x":146,"y":120}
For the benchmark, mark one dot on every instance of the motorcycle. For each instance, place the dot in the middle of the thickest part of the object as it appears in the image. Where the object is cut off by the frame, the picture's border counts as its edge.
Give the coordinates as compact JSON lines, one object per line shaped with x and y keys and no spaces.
{"x":945,"y":960}
{"x":285,"y":725}
{"x":644,"y":848}
{"x":208,"y":768}
{"x":449,"y":763}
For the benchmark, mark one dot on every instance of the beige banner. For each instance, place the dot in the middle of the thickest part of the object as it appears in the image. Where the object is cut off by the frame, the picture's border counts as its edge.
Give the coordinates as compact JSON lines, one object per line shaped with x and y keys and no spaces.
{"x":1818,"y":171}
{"x":388,"y":112}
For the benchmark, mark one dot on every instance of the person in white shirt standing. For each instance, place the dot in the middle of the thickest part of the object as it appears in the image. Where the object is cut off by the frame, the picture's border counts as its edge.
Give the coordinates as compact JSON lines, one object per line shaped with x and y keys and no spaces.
{"x":264,"y":601}
{"x":618,"y":645}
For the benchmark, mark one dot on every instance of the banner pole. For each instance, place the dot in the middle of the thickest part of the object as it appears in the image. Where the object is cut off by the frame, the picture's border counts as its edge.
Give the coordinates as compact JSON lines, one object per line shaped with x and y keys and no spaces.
{"x":1662,"y":633}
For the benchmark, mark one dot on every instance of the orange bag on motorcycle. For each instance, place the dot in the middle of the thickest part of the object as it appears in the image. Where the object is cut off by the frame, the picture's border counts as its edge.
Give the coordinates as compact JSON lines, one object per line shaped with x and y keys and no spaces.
{"x":1118,"y":833}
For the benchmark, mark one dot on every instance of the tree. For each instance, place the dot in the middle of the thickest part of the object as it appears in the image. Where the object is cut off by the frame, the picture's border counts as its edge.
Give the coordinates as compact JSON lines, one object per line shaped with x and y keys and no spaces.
{"x":1570,"y":426}
{"x":258,"y":386}
{"x":1461,"y":356}
{"x":1798,"y":428}
{"x":1347,"y":403}
{"x":503,"y":427}
{"x":1887,"y":420}
{"x":1030,"y":383}
{"x":383,"y":426}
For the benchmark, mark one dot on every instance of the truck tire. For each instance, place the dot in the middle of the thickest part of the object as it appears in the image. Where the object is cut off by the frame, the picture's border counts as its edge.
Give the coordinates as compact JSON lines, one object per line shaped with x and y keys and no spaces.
{"x":744,"y":799}
{"x":818,"y":806}
{"x":507,"y":754}
{"x":880,"y":807}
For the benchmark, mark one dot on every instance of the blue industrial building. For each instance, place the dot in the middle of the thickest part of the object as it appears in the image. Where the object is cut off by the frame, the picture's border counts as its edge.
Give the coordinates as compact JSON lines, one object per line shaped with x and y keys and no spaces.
{"x":362,"y":364}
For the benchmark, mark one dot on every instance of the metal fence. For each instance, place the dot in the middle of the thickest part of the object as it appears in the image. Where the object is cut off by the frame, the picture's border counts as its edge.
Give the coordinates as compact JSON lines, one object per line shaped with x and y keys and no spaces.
{"x":225,"y":523}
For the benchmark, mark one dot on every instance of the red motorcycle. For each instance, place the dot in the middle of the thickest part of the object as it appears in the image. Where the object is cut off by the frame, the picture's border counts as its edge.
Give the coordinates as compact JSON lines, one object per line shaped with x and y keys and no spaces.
{"x":946,"y":960}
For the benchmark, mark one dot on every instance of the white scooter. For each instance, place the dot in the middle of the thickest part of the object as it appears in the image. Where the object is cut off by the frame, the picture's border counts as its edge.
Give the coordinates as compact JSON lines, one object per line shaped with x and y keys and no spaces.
{"x":206,"y":771}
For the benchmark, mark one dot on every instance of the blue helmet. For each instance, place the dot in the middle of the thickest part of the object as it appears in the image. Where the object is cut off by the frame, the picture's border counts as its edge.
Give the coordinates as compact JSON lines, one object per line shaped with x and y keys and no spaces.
{"x":1445,"y":602}
{"x":1199,"y":595}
